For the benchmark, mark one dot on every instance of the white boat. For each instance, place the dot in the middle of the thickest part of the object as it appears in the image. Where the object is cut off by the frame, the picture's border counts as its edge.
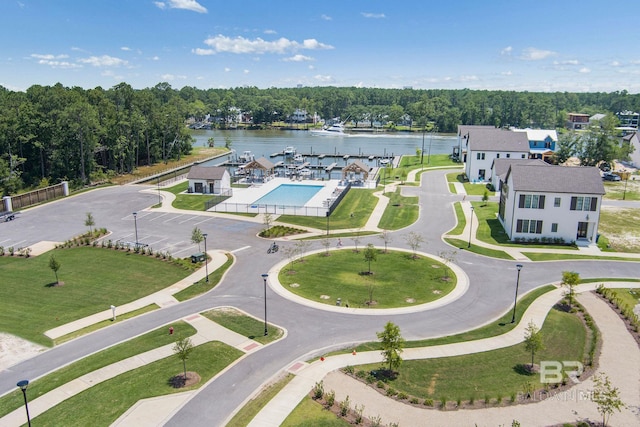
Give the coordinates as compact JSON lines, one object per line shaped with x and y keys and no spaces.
{"x":384,"y":162}
{"x":304,"y":172}
{"x":336,"y":129}
{"x":298,"y":158}
{"x":289,"y":151}
{"x":246,"y":157}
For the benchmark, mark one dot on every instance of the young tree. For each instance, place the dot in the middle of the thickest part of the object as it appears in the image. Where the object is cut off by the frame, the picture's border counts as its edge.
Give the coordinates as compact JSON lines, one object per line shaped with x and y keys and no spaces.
{"x":414,"y":240}
{"x":211,"y":142}
{"x":356,"y":240}
{"x":485,"y":197}
{"x":606,"y":396}
{"x":89,"y":222}
{"x":268,"y":220}
{"x":326,"y":243}
{"x":386,"y":237}
{"x":302,"y":246}
{"x":448,"y":257}
{"x":183,"y":348}
{"x":227,"y":142}
{"x":533,"y":340}
{"x":570,"y":279}
{"x":197,"y":237}
{"x":54,"y":265}
{"x":392,"y":344}
{"x":370,"y":254}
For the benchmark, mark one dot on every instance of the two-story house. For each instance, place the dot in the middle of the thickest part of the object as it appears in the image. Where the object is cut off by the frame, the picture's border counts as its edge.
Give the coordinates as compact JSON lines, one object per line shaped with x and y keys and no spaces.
{"x":500,"y":167}
{"x":542,"y":142}
{"x":577,"y":121}
{"x":554,"y":202}
{"x":486,"y":145}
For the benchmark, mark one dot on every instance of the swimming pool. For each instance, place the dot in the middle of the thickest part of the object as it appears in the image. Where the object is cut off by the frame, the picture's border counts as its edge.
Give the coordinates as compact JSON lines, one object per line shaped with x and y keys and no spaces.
{"x":289,"y":195}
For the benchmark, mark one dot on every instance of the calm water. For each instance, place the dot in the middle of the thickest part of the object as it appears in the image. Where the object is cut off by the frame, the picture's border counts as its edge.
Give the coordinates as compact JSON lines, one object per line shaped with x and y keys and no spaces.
{"x":264,"y":143}
{"x":289,"y":195}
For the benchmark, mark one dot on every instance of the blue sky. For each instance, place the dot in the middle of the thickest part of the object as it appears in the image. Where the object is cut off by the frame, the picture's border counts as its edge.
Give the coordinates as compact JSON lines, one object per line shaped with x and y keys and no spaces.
{"x":534,"y":45}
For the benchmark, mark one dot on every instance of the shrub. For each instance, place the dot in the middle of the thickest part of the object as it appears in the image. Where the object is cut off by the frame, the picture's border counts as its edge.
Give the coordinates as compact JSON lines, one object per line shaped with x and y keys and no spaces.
{"x":415,"y":400}
{"x":349,"y":369}
{"x":318,"y":390}
{"x":330,"y":398}
{"x":403,"y":396}
{"x":370,"y":379}
{"x":443,"y":403}
{"x":361,"y":374}
{"x":359,"y":410}
{"x":428,"y":402}
{"x":344,"y":406}
{"x":391,"y":391}
{"x":1,"y":250}
{"x":11,"y":250}
{"x":380,"y":384}
{"x":376,"y":421}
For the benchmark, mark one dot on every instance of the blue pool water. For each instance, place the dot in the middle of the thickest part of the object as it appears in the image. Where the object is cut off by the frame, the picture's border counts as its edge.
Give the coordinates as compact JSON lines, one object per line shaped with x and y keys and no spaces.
{"x":289,"y":195}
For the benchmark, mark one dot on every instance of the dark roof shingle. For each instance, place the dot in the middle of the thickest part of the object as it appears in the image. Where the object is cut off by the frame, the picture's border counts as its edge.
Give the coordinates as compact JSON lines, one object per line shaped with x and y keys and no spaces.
{"x":556,"y":179}
{"x":497,"y":140}
{"x":206,"y":172}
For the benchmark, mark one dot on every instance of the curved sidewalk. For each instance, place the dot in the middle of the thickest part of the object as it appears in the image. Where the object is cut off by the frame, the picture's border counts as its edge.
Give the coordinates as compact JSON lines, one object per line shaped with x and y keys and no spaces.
{"x":615,"y":339}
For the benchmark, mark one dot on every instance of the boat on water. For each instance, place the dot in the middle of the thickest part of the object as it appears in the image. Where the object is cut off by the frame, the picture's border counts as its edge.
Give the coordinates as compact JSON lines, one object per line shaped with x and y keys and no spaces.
{"x":298,"y":158}
{"x":384,"y":162}
{"x":336,"y":129}
{"x":289,"y":151}
{"x":246,"y":157}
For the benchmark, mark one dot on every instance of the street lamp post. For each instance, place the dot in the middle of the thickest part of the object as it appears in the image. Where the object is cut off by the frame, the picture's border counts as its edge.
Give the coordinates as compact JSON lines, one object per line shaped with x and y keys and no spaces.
{"x":206,"y":258}
{"x":515,"y":299}
{"x":264,"y":279}
{"x":23,"y":386}
{"x":430,"y":140}
{"x":422,"y":151}
{"x":135,"y":221}
{"x":470,"y":227}
{"x":328,"y":212}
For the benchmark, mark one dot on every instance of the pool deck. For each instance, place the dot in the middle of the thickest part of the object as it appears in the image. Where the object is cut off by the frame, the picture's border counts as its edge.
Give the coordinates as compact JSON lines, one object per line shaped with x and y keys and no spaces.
{"x":256,"y":191}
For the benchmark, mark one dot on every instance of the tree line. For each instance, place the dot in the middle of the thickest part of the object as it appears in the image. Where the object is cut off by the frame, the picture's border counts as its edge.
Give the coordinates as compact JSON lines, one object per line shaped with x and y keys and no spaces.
{"x":53,"y":133}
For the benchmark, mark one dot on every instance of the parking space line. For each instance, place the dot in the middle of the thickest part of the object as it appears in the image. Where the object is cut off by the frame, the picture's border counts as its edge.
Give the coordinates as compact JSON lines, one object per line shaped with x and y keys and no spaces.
{"x":159,"y":216}
{"x":171,"y":219}
{"x":203,"y":221}
{"x":188,"y":219}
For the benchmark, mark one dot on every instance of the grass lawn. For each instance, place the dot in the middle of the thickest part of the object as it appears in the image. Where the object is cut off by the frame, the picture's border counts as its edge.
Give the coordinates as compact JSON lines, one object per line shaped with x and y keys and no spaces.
{"x":537,"y":256}
{"x":352,"y":212}
{"x":436,"y":160}
{"x":629,"y":297}
{"x":480,"y":250}
{"x":620,"y":226}
{"x":192,"y":202}
{"x":255,"y":405}
{"x":401,"y":211}
{"x":310,"y":413}
{"x":154,"y":339}
{"x":471,"y":189}
{"x":202,"y":286}
{"x":499,"y":327}
{"x":493,"y":374}
{"x":244,"y":325}
{"x":397,"y":280}
{"x":616,"y":190}
{"x":462,"y":221}
{"x":103,"y":403}
{"x":94,"y":279}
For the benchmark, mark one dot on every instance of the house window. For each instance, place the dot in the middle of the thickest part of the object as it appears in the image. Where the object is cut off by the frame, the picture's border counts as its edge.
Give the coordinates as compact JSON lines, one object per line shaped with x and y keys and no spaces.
{"x":579,"y":203}
{"x":524,"y":156}
{"x":556,"y":202}
{"x":554,"y":227}
{"x":531,"y":226}
{"x":508,"y":155}
{"x":498,"y":156}
{"x":480,"y":156}
{"x":531,"y":201}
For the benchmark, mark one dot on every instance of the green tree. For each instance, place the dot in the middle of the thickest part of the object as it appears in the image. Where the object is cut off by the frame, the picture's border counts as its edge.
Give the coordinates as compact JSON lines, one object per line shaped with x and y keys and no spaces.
{"x":414,"y":240}
{"x":183,"y":348}
{"x":570,"y":279}
{"x":89,"y":222}
{"x":485,"y":197}
{"x":227,"y":142}
{"x":386,"y":237}
{"x":606,"y":396}
{"x":210,"y":142}
{"x":197,"y":237}
{"x":370,"y":254}
{"x":392,"y":344}
{"x":533,"y":340}
{"x":54,"y":265}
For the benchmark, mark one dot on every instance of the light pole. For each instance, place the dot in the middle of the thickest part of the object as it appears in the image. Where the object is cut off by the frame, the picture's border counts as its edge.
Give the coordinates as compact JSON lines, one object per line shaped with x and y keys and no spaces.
{"x":430,"y":140}
{"x":328,"y":212}
{"x":159,"y":197}
{"x":23,"y":386}
{"x":624,"y":194}
{"x":470,"y":227}
{"x":515,"y":299}
{"x":264,"y":279}
{"x":206,"y":258}
{"x":422,"y":151}
{"x":135,"y":221}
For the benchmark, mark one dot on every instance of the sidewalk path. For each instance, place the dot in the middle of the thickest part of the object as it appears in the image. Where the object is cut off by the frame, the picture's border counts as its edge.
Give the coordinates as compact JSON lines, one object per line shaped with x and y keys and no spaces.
{"x":162,"y":298}
{"x":616,"y":340}
{"x":156,"y":409}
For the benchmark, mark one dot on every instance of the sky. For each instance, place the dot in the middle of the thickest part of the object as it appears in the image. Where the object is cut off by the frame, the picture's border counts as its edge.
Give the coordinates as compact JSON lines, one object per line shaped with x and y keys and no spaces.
{"x":522,"y":45}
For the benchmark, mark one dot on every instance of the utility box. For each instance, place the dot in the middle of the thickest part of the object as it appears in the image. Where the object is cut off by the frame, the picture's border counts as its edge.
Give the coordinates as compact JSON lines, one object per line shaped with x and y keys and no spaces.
{"x":199,"y":257}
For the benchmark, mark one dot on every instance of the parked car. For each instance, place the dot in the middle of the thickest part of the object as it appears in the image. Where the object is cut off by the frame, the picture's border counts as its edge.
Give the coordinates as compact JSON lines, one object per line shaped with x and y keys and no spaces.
{"x":608,"y":176}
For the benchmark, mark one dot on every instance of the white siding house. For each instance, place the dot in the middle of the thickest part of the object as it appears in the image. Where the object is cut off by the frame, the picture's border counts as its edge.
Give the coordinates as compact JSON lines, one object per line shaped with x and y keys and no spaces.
{"x":551,"y":202}
{"x":209,"y":180}
{"x":486,"y":145}
{"x":500,"y":167}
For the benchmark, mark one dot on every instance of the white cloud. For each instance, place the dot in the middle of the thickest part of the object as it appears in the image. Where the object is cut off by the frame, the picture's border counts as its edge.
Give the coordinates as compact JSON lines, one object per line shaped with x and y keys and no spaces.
{"x":169,"y":77}
{"x":298,"y":58}
{"x":203,"y":52}
{"x":584,"y":70}
{"x":568,"y":62}
{"x":242,"y":45}
{"x":615,"y":64}
{"x":227,"y":69}
{"x":48,"y":56}
{"x":470,"y":78}
{"x":103,"y":61}
{"x":191,"y":5}
{"x":506,"y":73}
{"x":270,"y":32}
{"x":155,"y":58}
{"x":373,"y":15}
{"x":246,"y":71}
{"x":534,"y":54}
{"x":322,"y":78}
{"x":325,"y":17}
{"x":506,"y":51}
{"x":54,"y":61}
{"x":125,"y":48}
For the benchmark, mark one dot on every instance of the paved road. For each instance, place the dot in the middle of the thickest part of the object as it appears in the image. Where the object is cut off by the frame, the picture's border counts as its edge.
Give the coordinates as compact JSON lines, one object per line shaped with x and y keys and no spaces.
{"x":310,"y":331}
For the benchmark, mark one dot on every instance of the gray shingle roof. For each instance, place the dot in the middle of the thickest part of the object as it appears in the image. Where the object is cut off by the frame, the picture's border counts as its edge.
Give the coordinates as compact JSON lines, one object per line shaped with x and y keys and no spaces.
{"x":497,"y":140}
{"x":501,"y":166}
{"x":556,"y":179}
{"x":206,"y":172}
